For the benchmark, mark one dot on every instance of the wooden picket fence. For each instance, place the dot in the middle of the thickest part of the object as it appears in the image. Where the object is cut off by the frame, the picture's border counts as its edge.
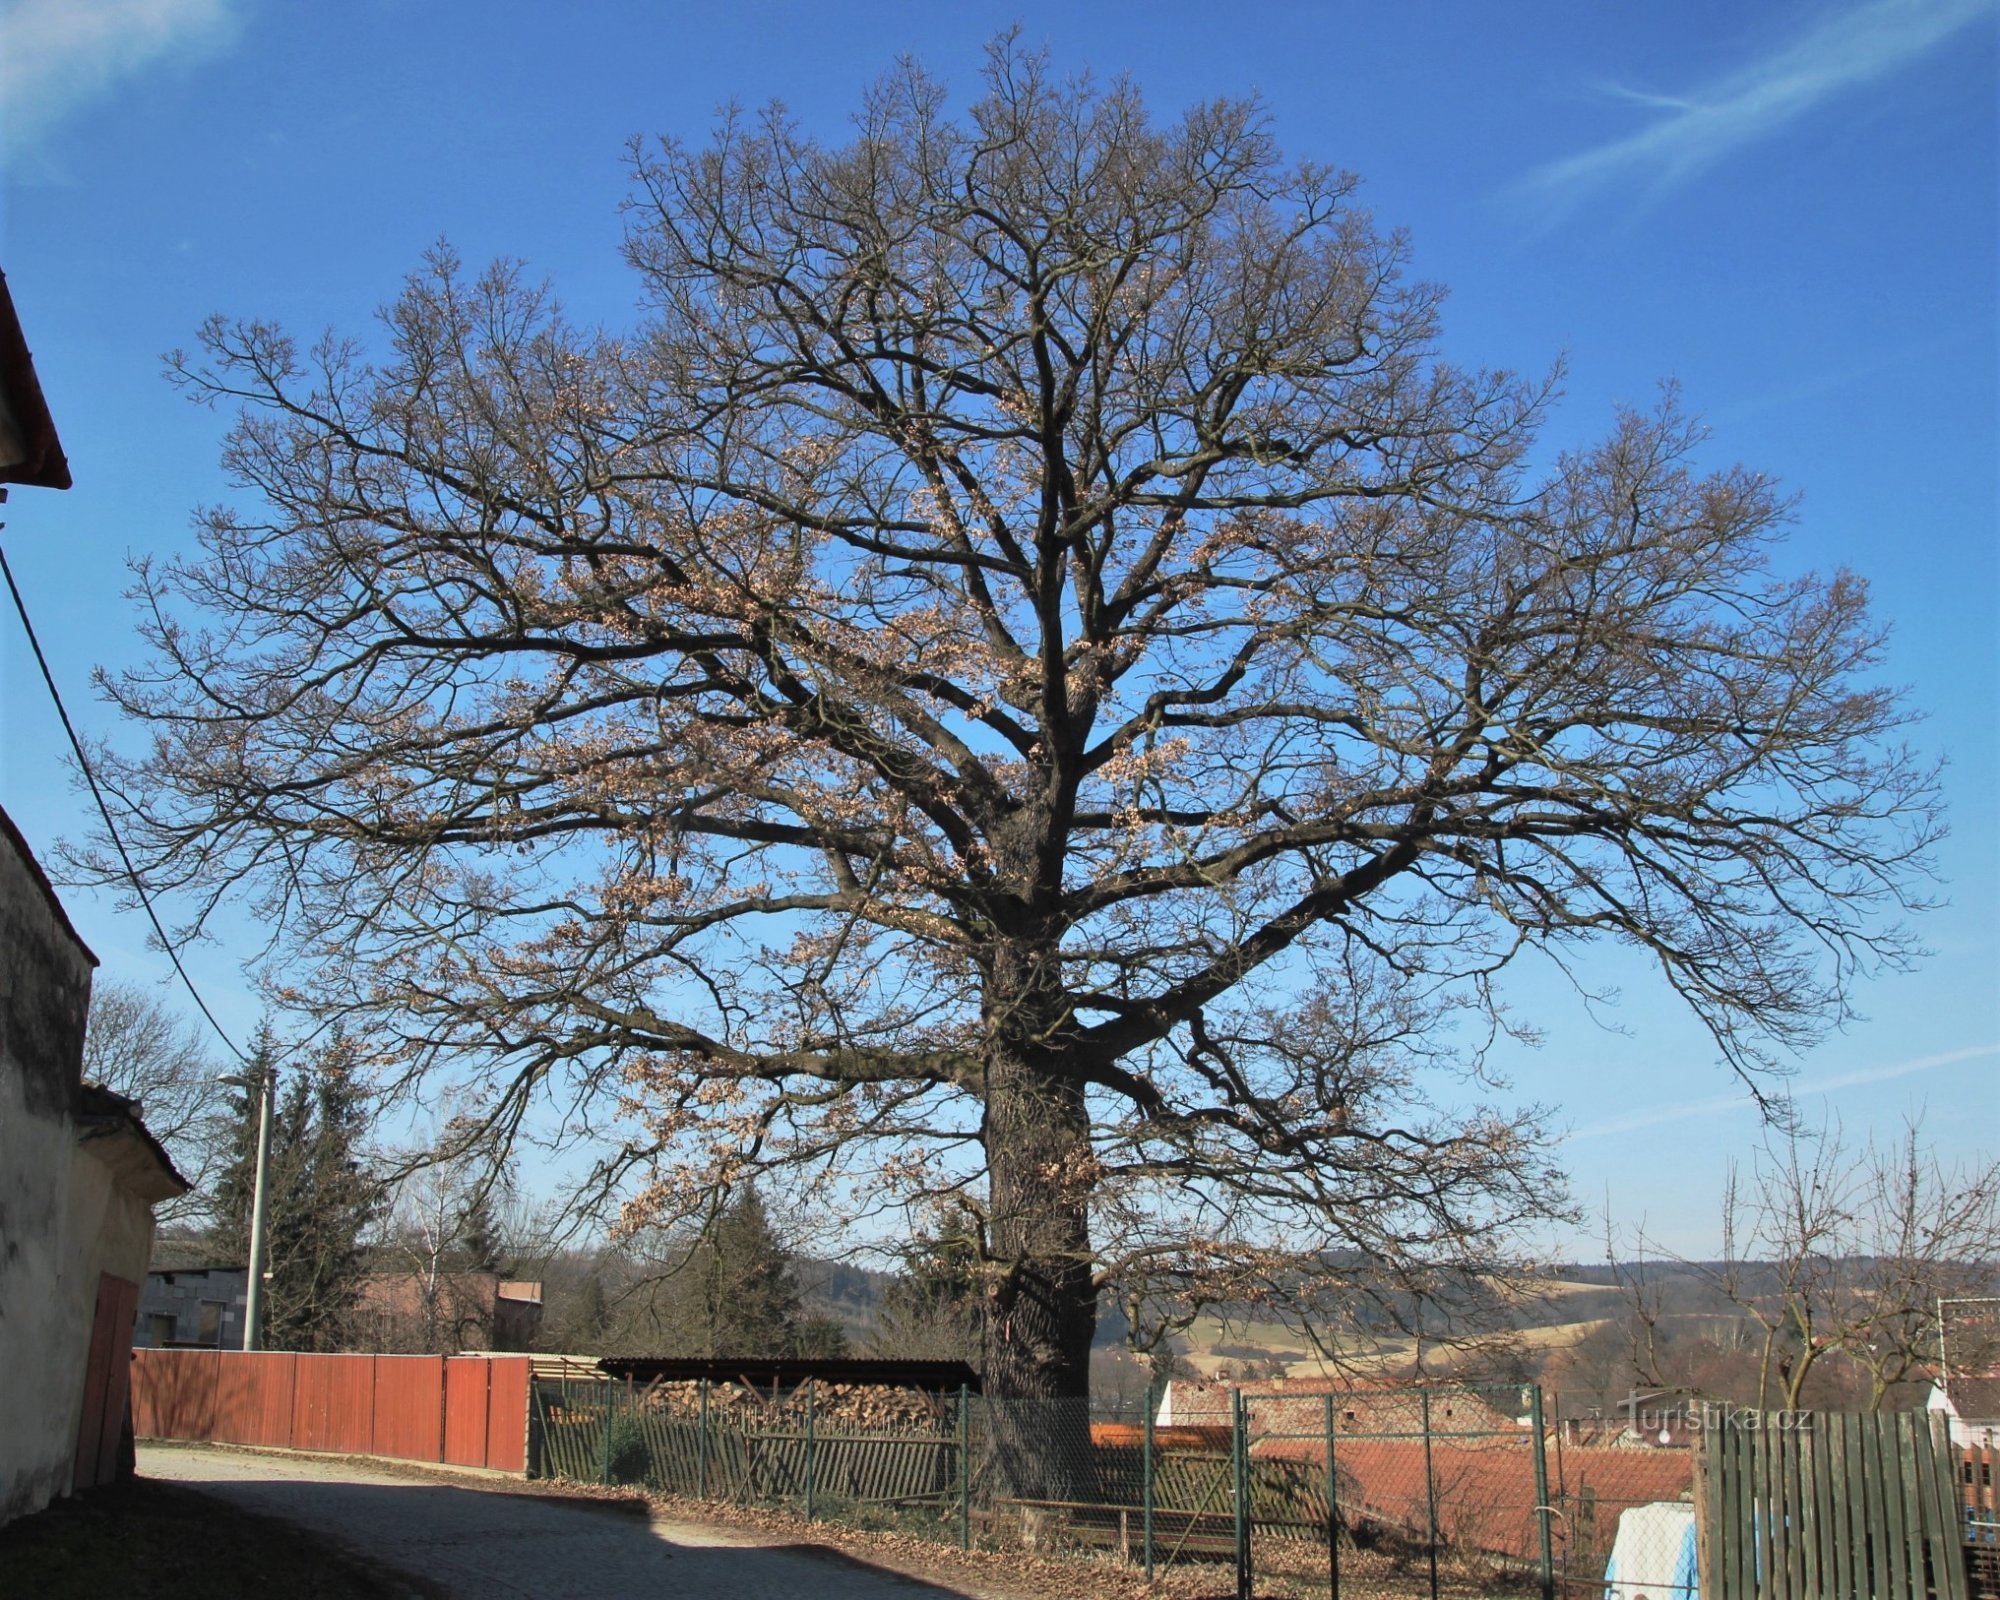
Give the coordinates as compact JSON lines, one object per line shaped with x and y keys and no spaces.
{"x":1839,"y":1507}
{"x":594,"y":1432}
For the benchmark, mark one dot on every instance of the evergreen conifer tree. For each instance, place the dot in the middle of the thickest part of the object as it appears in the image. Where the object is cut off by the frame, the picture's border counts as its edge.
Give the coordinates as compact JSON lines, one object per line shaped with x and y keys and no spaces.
{"x":479,"y":1246}
{"x":741,"y":1297}
{"x":320,"y":1195}
{"x":235,"y":1187}
{"x":932,"y":1310}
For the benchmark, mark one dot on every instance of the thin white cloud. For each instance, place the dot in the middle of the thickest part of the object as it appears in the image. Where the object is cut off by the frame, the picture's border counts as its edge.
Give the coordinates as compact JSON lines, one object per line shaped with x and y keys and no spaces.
{"x":1696,"y":129}
{"x":57,"y":57}
{"x":1656,"y":1116}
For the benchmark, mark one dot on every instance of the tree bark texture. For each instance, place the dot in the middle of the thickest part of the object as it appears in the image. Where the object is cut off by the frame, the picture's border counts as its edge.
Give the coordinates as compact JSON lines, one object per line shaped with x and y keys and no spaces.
{"x":1042,"y":1296}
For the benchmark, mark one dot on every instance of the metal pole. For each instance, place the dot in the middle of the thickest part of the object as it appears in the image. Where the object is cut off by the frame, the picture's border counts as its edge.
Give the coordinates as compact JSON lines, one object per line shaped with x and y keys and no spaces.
{"x":811,"y":1398}
{"x":610,"y":1408}
{"x":701,"y":1448}
{"x":1542,"y":1492}
{"x":964,"y":1471}
{"x":1146,"y":1478}
{"x":1430,"y":1495}
{"x":1239,"y":1452}
{"x":1332,"y":1514}
{"x":253,"y":1300}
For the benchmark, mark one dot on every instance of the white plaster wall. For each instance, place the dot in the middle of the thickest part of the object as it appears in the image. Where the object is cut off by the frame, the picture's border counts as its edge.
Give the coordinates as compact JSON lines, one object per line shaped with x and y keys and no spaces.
{"x":1974,"y":1433}
{"x":111,"y":1224}
{"x":105,"y":1229}
{"x":77,"y":1222}
{"x":41,"y":1364}
{"x":1968,"y":1433}
{"x":66,"y":1215}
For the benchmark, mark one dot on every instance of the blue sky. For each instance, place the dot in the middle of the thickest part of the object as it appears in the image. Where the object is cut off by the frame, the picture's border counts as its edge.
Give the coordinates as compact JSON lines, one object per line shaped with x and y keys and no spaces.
{"x":1788,"y":209}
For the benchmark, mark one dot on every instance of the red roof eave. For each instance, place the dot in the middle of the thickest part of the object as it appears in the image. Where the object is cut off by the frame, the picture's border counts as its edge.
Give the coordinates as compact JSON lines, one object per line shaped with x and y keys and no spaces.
{"x":30,"y":451}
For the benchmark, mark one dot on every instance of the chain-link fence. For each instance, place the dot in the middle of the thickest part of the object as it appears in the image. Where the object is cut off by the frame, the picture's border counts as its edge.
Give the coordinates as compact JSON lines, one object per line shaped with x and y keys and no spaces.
{"x":1391,"y":1492}
{"x":1623,"y":1512}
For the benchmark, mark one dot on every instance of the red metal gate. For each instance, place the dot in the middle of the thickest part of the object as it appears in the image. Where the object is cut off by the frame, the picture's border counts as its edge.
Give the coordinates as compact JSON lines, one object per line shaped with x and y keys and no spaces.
{"x":469,"y":1410}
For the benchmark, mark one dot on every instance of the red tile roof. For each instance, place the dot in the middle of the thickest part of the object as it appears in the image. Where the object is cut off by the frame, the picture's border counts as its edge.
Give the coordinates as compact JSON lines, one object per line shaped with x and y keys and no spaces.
{"x":1974,"y":1399}
{"x":1485,"y":1492}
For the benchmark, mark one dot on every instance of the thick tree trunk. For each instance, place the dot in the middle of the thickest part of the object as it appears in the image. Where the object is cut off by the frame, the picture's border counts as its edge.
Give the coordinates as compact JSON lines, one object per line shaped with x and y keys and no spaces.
{"x":1041,"y":1304}
{"x":1042,"y":1308}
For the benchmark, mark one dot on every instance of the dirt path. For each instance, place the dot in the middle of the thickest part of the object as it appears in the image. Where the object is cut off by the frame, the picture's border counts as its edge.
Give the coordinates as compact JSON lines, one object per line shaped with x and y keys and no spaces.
{"x":481,"y":1542}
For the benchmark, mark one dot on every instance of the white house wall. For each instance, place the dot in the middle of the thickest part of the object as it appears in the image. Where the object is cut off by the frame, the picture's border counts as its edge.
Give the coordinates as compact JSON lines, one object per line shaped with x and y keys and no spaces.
{"x":42,"y":1396}
{"x":55,"y":1203}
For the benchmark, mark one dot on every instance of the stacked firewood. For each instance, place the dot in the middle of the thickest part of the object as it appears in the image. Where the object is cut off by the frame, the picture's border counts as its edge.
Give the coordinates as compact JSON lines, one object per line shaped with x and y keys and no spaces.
{"x":852,"y":1405}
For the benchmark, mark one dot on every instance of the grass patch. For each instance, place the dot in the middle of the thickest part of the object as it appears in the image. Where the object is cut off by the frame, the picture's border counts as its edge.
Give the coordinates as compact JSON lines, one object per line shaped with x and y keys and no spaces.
{"x":147,"y":1540}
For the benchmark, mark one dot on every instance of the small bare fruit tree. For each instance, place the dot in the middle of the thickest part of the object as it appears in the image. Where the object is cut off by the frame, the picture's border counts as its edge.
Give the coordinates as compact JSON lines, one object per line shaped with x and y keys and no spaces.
{"x":136,"y":1045}
{"x":1025,"y":679}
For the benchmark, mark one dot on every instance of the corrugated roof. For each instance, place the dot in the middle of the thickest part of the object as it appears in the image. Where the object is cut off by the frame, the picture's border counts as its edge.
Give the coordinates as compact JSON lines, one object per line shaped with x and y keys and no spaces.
{"x":181,"y":1251}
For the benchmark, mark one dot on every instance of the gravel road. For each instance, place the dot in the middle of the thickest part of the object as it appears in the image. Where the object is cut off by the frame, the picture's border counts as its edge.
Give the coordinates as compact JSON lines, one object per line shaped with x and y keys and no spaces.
{"x":480,"y":1542}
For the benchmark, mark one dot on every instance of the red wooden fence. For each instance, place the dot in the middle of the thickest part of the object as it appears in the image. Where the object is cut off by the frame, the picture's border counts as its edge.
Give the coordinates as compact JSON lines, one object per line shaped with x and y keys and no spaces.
{"x":471,"y":1411}
{"x":104,"y":1382}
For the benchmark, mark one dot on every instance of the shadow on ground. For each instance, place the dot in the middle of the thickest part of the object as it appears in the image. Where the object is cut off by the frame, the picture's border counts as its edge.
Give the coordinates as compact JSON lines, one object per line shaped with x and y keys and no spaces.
{"x":503,"y":1541}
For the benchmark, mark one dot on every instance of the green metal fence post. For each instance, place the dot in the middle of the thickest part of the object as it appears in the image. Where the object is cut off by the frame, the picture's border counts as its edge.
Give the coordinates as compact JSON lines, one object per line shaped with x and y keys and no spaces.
{"x":610,"y":1410}
{"x":812,"y":1397}
{"x":1332,"y":1515}
{"x":1430,"y":1496}
{"x":964,"y":1470}
{"x":1239,"y":1453}
{"x":1542,"y":1493}
{"x":701,"y":1447}
{"x":1146,"y":1479}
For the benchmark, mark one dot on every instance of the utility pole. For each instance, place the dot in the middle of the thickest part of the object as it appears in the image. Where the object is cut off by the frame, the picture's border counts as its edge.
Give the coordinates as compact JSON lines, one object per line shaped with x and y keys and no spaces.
{"x":264,"y":1083}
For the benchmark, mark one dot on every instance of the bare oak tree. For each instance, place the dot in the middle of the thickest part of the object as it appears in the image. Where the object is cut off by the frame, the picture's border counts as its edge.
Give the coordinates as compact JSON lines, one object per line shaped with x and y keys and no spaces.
{"x":1026,"y":676}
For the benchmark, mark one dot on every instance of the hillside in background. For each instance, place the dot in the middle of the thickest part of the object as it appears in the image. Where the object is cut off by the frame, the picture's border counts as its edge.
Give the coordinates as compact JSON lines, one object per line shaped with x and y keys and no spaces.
{"x":1589,"y":1333}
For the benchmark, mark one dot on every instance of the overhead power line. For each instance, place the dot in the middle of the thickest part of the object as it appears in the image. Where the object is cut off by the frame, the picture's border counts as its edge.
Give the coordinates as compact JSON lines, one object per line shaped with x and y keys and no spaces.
{"x":104,"y":811}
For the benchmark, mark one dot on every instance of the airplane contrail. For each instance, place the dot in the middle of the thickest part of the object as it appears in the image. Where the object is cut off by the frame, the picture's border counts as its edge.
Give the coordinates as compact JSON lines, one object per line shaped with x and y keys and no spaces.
{"x":1654,"y":1116}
